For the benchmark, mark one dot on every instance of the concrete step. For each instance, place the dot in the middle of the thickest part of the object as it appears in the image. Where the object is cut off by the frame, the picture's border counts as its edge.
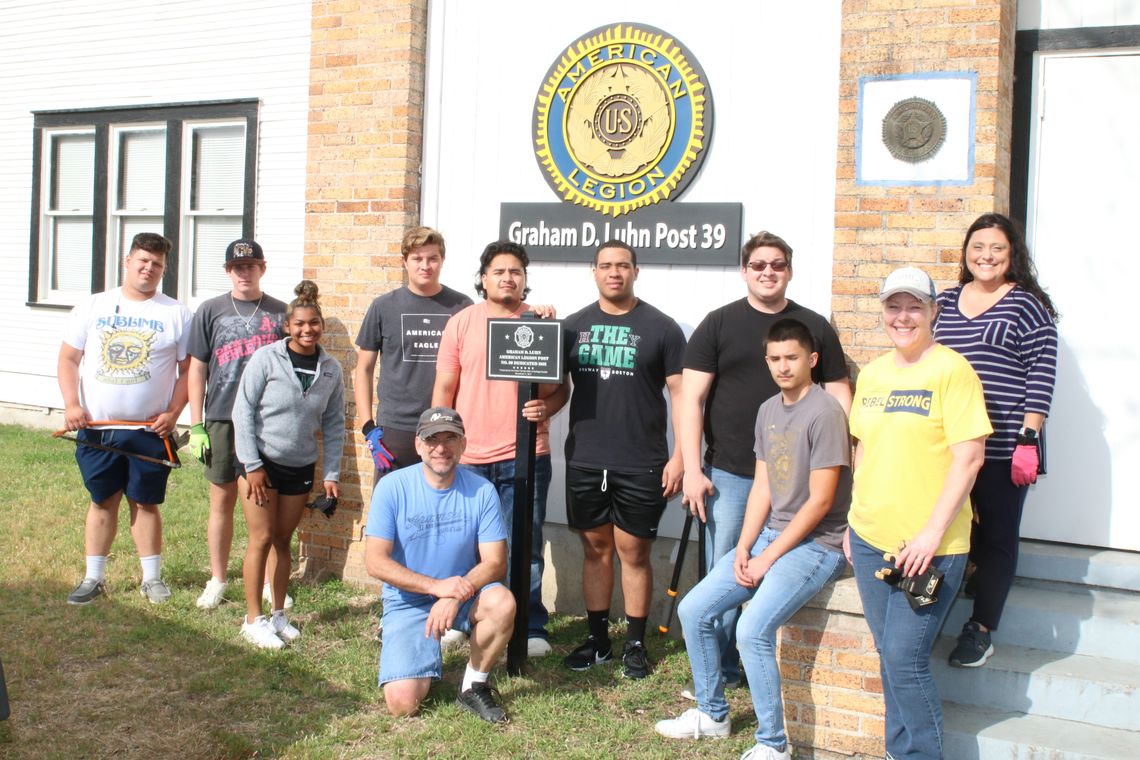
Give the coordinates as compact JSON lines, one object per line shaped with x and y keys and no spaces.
{"x":976,"y":733}
{"x":1048,"y":684}
{"x":1064,"y":618}
{"x":1079,"y":564}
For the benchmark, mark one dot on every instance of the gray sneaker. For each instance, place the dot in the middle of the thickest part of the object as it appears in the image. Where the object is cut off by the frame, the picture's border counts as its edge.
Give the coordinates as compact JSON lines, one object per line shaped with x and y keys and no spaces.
{"x":87,"y":591}
{"x":155,"y":591}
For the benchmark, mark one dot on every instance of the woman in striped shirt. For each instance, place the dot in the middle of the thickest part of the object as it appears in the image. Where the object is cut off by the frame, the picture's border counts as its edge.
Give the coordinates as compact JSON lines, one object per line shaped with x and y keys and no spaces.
{"x":1003,"y":322}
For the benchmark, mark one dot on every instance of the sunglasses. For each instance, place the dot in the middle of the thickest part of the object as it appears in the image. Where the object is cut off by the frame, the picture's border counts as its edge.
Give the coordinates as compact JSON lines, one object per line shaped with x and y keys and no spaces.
{"x":759,"y":266}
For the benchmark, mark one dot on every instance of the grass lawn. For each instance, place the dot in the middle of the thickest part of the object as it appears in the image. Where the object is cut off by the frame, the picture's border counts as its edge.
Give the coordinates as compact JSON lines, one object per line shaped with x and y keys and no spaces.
{"x":123,"y":678}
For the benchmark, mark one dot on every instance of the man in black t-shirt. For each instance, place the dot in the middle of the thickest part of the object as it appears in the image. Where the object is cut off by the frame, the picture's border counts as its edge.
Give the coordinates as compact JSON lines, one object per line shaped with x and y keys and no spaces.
{"x":725,"y":381}
{"x":621,"y":353}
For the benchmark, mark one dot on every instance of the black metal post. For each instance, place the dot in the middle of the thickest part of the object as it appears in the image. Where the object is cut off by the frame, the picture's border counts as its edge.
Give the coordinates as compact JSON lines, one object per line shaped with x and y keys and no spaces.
{"x":522,"y":528}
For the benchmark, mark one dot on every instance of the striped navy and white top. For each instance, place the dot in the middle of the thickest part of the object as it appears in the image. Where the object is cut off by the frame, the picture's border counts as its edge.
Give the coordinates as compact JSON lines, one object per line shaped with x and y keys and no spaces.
{"x":1013,"y":348}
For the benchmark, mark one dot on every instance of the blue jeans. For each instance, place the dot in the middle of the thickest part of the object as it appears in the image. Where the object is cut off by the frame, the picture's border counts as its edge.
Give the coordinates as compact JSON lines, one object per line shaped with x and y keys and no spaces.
{"x":904,"y":638}
{"x":724,"y":511}
{"x":792,"y":580}
{"x":502,"y":476}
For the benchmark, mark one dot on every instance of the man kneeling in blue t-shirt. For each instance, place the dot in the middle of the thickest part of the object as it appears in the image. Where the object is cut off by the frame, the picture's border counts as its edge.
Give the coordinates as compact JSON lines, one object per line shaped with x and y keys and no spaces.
{"x":437,"y":541}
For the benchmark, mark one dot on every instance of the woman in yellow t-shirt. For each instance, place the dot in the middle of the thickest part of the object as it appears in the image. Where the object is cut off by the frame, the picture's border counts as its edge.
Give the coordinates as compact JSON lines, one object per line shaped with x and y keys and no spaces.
{"x":920,"y":420}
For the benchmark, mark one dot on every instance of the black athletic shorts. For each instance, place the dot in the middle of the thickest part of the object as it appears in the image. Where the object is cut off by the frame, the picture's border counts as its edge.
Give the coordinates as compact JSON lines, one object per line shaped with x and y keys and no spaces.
{"x":631,"y":501}
{"x":287,"y":480}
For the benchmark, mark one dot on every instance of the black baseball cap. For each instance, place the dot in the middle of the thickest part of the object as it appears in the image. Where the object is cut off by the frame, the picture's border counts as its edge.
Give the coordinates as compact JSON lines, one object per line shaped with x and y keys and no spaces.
{"x":439,"y":419}
{"x":243,"y":250}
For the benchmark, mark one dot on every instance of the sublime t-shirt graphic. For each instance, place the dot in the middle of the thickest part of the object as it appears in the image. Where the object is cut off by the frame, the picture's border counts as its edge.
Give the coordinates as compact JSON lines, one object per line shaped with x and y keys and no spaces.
{"x":131,"y":351}
{"x":619,"y":364}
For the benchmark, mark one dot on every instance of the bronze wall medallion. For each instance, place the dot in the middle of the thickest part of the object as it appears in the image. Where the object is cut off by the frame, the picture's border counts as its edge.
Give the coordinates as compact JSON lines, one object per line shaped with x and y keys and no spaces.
{"x":914,"y":129}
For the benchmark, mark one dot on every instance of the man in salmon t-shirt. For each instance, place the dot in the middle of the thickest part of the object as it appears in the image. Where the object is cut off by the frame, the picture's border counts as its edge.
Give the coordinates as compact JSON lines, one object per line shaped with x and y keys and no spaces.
{"x":488,"y":406}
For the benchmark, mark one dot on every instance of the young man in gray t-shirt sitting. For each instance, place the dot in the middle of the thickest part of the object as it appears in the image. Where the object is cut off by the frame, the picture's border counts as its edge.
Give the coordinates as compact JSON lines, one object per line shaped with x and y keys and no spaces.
{"x":790,"y":547}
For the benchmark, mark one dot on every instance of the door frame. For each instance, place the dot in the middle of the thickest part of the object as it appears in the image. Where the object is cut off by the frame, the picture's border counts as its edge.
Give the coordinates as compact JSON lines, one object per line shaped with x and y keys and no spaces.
{"x":1026,"y":44}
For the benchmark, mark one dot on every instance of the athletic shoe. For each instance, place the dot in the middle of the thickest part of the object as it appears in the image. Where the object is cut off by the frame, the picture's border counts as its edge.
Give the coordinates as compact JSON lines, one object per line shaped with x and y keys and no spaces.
{"x":452,"y":639}
{"x":213,"y":595}
{"x":87,"y":591}
{"x":694,"y":724}
{"x":588,"y":655}
{"x":283,"y":629}
{"x":690,"y":690}
{"x":267,"y":597}
{"x":536,"y":646}
{"x":260,"y":633}
{"x":483,"y":701}
{"x":764,"y":752}
{"x":634,"y":660}
{"x":974,"y":647}
{"x":155,"y":591}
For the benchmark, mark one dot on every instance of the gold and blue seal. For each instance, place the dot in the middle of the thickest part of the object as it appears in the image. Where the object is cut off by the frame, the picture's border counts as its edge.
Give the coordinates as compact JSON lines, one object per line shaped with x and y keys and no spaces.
{"x":622,"y":118}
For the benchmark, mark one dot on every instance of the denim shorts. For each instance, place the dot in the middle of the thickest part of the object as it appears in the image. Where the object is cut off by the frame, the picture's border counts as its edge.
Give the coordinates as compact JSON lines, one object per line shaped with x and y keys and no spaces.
{"x":405,"y":652}
{"x":105,"y":472}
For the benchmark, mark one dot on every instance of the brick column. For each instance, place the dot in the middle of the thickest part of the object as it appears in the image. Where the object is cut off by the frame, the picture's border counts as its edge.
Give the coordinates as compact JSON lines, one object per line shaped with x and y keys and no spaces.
{"x":880,"y":228}
{"x":366,"y":94}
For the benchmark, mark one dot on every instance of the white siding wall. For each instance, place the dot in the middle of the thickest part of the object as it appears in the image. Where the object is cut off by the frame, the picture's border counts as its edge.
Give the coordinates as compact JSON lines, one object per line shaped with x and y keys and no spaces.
{"x":773,"y":68}
{"x":95,"y":53}
{"x":1073,"y":14}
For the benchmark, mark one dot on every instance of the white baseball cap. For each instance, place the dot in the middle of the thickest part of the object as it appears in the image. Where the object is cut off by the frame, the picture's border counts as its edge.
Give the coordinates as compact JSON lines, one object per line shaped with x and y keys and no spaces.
{"x":908,"y":280}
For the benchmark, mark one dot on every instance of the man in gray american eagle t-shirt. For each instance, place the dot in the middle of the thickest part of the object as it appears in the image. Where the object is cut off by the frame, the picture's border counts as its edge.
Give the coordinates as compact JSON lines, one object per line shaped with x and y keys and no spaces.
{"x":403,"y":328}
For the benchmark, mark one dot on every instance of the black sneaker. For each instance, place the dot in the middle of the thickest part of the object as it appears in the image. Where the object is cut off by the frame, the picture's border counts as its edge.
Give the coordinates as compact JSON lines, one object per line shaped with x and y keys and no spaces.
{"x":974,"y":647}
{"x":635,"y":660}
{"x":87,"y":591}
{"x":483,"y":700}
{"x":588,"y":655}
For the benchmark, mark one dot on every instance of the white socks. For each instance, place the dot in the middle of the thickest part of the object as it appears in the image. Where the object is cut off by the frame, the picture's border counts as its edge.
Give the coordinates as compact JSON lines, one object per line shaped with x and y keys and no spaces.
{"x":96,"y":568}
{"x":472,"y":676}
{"x":151,"y":567}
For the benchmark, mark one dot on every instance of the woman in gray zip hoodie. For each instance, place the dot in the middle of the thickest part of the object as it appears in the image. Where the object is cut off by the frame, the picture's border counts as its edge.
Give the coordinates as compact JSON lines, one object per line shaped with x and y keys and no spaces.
{"x":290,"y":390}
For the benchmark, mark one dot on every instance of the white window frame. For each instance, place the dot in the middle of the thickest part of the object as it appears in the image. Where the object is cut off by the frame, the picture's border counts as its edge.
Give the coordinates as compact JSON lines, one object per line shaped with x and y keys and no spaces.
{"x":174,"y":219}
{"x":48,"y":216}
{"x":188,"y":263}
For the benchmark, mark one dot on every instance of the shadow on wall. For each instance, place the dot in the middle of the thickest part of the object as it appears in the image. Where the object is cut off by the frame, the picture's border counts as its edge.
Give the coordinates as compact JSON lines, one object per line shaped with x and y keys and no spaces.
{"x":325,"y":541}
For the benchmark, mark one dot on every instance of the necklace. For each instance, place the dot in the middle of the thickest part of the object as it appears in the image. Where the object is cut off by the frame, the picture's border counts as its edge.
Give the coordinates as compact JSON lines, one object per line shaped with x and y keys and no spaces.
{"x":249,"y":319}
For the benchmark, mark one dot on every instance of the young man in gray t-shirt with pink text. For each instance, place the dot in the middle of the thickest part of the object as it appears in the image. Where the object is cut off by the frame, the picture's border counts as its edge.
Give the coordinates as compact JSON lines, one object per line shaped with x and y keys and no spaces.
{"x":790,"y":547}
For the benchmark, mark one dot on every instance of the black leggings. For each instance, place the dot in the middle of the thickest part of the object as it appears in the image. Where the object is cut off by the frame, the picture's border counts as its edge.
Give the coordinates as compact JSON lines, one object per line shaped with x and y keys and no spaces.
{"x":994,"y":539}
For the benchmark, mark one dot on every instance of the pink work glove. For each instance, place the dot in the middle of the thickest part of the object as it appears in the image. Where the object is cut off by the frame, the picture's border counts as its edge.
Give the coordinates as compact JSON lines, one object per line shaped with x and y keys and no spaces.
{"x":1024,"y":470}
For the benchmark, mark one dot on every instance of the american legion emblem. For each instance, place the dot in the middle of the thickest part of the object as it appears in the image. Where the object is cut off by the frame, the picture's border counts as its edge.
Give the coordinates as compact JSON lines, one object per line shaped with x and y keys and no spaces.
{"x":621,"y":119}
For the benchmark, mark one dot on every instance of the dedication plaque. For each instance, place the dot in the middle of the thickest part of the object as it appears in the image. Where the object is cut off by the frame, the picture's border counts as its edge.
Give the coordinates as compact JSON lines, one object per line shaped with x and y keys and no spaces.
{"x":525,"y":350}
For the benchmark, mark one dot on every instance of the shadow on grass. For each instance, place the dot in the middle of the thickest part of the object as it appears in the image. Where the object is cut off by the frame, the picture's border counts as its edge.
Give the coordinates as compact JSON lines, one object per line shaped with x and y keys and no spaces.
{"x":124,"y":679}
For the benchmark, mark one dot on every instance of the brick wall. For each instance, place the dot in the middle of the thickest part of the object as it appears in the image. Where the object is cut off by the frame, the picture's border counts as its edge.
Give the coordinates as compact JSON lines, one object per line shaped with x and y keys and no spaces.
{"x":880,"y":228}
{"x":365,"y":145}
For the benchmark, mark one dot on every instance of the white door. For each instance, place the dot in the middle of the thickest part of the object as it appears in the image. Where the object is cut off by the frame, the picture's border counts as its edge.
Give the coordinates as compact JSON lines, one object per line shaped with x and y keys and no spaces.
{"x":1084,"y":228}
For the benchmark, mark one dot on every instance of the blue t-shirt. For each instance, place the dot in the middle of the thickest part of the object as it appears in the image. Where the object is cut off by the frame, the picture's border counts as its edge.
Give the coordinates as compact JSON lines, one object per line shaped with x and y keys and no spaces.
{"x":434,"y":533}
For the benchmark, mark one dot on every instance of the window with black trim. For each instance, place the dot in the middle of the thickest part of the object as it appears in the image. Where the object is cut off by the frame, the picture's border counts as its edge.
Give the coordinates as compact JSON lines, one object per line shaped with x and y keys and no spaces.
{"x":185,"y":170}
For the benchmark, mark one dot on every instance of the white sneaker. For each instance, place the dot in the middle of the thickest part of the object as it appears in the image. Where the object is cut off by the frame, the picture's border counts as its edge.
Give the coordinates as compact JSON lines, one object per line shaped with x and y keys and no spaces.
{"x":452,"y":639}
{"x":694,"y":724}
{"x":537,"y":646}
{"x":213,"y":595}
{"x":267,"y":597}
{"x":764,"y":752}
{"x":260,"y":633}
{"x":283,"y":629}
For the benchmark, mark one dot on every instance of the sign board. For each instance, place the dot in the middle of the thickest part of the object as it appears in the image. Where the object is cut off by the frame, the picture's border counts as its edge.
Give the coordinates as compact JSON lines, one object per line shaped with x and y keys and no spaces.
{"x":694,"y":234}
{"x":525,"y":350}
